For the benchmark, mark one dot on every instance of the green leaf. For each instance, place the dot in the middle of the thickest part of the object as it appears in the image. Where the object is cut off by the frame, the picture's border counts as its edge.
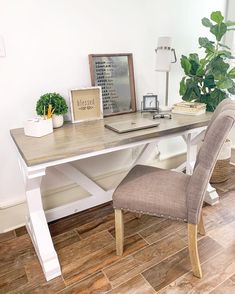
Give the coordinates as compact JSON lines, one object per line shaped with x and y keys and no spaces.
{"x":203,"y":62}
{"x":217,"y":17}
{"x":194,"y":67}
{"x":213,"y":99}
{"x":200,"y":71}
{"x":209,"y":81}
{"x":206,"y":98}
{"x":230,"y":23}
{"x":193,"y":91}
{"x":183,"y":87}
{"x":219,"y":30}
{"x":231,"y":73}
{"x":205,"y":43}
{"x":232,"y":90}
{"x":225,"y":53}
{"x":186,"y":65}
{"x":206,"y":22}
{"x":217,"y":67}
{"x":217,"y":96}
{"x":225,"y":83}
{"x":194,"y":57}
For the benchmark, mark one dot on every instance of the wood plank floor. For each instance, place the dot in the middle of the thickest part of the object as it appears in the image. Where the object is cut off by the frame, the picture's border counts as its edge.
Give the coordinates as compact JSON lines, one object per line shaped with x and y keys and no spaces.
{"x":155,"y":259}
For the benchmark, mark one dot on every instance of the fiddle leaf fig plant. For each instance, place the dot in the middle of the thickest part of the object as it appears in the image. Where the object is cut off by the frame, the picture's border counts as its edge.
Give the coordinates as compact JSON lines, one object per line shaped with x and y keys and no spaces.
{"x":209,"y":79}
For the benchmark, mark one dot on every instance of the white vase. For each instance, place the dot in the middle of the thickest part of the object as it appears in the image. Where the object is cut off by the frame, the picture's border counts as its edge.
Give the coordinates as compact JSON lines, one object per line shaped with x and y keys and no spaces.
{"x":57,"y":120}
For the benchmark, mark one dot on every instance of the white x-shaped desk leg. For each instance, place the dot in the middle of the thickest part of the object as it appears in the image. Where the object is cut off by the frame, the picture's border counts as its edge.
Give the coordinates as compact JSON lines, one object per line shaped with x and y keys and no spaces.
{"x":36,"y":224}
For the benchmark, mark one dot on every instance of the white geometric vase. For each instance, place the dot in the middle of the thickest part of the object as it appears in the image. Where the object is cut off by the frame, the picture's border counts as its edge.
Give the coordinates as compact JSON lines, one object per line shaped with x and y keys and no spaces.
{"x":57,"y":120}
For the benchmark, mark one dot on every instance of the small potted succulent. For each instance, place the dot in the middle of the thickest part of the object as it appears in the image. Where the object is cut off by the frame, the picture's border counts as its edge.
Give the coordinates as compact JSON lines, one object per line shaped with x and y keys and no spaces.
{"x":54,"y":106}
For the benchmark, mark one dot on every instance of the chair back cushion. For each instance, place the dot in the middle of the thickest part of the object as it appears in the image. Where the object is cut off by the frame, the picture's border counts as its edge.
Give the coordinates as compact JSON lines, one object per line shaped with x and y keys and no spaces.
{"x":224,"y":104}
{"x":214,"y":139}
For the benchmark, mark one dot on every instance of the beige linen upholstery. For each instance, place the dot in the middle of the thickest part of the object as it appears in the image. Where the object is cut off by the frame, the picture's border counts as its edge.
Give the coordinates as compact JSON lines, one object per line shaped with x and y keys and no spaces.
{"x":169,"y":194}
{"x":153,"y":191}
{"x":224,"y":104}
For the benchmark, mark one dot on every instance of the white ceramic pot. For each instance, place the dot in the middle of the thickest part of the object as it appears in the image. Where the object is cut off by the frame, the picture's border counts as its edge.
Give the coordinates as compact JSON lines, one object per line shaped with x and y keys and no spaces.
{"x":57,"y":120}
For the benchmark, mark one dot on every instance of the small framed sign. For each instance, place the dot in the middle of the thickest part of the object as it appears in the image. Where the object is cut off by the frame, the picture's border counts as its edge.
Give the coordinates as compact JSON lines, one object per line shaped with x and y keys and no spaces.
{"x":86,"y":104}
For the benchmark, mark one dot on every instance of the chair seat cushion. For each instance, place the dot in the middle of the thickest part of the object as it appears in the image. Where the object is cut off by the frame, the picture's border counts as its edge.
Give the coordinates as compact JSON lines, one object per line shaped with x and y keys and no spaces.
{"x":153,"y":191}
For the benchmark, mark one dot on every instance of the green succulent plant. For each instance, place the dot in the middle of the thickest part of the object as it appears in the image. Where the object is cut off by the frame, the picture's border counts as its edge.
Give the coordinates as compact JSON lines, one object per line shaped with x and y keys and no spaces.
{"x":56,"y":100}
{"x":210,"y":79}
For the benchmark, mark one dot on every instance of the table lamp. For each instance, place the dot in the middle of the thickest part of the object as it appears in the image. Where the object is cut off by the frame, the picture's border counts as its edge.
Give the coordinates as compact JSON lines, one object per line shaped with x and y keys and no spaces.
{"x":165,"y":56}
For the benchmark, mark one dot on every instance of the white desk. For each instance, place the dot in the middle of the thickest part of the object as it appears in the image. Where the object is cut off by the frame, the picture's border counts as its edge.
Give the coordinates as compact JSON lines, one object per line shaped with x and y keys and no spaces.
{"x":78,"y":141}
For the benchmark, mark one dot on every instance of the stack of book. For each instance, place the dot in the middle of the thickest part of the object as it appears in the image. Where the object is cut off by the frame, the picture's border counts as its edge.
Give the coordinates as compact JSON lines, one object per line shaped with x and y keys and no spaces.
{"x":190,"y":108}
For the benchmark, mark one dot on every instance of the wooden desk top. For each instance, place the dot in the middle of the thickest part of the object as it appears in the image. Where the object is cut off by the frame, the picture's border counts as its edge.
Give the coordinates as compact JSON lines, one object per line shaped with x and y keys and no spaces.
{"x":86,"y":137}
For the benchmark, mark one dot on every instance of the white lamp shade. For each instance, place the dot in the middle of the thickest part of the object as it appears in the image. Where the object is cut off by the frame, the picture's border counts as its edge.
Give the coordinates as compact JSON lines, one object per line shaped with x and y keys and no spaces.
{"x":163,"y":54}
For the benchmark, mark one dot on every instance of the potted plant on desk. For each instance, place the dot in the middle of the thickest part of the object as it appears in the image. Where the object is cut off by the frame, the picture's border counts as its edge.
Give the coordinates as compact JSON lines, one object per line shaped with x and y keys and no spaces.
{"x":210,"y":79}
{"x":55,"y":105}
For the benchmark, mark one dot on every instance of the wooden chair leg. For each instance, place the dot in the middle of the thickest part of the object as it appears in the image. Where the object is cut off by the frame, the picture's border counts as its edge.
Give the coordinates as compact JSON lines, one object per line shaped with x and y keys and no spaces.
{"x":201,"y":227}
{"x":119,"y":231}
{"x":193,"y":251}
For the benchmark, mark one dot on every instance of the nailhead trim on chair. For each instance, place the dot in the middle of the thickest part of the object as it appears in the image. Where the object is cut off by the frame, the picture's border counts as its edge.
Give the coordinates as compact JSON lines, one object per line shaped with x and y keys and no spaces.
{"x":154,"y":214}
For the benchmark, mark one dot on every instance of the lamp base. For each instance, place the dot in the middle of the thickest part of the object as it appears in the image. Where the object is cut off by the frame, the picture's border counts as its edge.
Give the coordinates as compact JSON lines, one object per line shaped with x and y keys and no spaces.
{"x":165,"y":108}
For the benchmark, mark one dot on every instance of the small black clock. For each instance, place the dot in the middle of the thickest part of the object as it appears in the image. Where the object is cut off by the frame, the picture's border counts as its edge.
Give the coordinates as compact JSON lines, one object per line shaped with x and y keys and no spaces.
{"x":150,"y":103}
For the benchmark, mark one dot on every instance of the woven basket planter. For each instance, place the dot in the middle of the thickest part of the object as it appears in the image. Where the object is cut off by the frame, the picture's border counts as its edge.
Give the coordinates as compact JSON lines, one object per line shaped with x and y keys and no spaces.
{"x":221,"y":172}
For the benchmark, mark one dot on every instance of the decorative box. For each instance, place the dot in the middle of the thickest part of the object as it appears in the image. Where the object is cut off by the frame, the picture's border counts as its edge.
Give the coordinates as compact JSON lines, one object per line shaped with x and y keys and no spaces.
{"x":38,"y":127}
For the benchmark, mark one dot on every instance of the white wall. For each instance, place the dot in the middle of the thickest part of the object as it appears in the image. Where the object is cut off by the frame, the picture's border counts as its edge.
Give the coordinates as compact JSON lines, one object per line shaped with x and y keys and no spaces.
{"x":47,"y":44}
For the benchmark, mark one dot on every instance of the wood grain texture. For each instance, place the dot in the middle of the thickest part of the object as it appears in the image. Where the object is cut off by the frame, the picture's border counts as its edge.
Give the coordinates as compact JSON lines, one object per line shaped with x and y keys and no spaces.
{"x":83,"y":248}
{"x":193,"y":250}
{"x":175,"y":266}
{"x":12,"y":249}
{"x":134,"y":264}
{"x":65,"y":239}
{"x":102,"y":223}
{"x":94,"y":284}
{"x":224,"y":235}
{"x":156,"y":232}
{"x":90,"y":264}
{"x":21,"y":231}
{"x":119,"y":231}
{"x":80,"y":219}
{"x":78,"y":269}
{"x":215,"y":271}
{"x":36,"y":280}
{"x":7,"y":236}
{"x":137,"y":225}
{"x":87,"y":137}
{"x":136,"y":285}
{"x":13,"y":280}
{"x":227,"y":287}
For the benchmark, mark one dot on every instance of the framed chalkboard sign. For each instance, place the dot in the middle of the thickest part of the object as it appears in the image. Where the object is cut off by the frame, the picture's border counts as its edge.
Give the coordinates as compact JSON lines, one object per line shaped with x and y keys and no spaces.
{"x":114,"y":73}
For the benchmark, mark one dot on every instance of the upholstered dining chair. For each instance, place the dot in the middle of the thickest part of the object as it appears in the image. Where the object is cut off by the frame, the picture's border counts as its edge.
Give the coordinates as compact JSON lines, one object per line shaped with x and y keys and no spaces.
{"x":174,"y":195}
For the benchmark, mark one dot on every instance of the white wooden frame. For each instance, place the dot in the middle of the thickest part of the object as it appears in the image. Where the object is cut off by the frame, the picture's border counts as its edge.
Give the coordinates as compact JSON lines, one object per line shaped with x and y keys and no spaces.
{"x":36,"y":222}
{"x":71,"y":104}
